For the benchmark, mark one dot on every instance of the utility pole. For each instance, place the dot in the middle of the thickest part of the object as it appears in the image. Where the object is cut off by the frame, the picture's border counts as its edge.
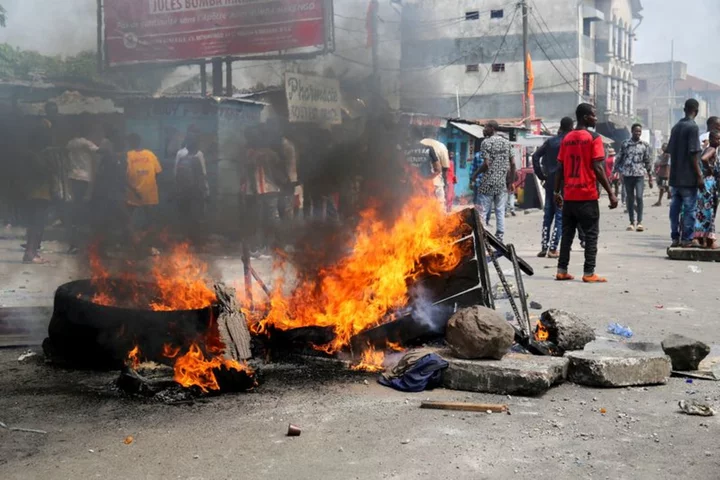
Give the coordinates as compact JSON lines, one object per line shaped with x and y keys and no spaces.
{"x":217,"y":77}
{"x":374,"y":20}
{"x":100,"y":42}
{"x":526,"y":78}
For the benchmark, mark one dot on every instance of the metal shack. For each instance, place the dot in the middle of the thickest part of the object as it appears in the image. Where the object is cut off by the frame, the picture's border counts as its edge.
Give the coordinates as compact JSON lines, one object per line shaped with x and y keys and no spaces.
{"x":218,"y":122}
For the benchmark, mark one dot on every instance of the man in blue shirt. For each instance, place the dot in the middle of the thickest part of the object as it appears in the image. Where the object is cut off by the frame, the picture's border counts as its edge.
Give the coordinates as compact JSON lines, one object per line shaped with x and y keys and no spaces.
{"x":545,"y":165}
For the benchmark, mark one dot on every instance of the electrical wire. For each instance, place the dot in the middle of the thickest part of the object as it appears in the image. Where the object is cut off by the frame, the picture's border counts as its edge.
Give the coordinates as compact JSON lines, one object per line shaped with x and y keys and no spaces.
{"x":551,"y":37}
{"x":562,"y":75}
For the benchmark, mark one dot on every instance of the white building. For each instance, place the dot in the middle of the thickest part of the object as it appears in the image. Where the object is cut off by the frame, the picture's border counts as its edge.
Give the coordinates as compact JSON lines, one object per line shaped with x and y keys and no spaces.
{"x":470,"y":54}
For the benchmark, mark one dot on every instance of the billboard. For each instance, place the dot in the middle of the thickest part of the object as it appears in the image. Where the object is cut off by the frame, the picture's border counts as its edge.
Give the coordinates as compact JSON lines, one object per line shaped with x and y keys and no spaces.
{"x":180,"y":31}
{"x":313,"y":99}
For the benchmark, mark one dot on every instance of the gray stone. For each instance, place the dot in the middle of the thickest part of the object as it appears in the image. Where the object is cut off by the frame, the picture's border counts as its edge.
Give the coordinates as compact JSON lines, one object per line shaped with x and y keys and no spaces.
{"x":535,"y":305}
{"x":567,"y":330}
{"x":479,"y":332}
{"x":685,"y":353}
{"x":618,"y":368}
{"x":516,"y":374}
{"x":499,"y":292}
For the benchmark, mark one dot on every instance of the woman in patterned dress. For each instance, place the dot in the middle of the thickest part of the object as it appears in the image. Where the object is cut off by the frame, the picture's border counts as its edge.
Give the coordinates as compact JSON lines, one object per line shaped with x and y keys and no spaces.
{"x":705,"y":219}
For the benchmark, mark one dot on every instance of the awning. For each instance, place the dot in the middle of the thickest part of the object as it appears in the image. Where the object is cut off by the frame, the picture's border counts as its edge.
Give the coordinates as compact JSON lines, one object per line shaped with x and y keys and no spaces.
{"x":469,"y":128}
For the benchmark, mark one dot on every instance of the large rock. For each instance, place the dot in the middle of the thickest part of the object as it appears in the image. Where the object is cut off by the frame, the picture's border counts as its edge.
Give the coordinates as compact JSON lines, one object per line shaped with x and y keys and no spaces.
{"x":685,"y":353}
{"x":515,"y":374}
{"x":618,"y":368}
{"x":479,"y":332}
{"x":567,"y":330}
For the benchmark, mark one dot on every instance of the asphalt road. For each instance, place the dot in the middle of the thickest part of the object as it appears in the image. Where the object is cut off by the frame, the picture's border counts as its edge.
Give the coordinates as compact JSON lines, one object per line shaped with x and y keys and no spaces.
{"x":353,"y":429}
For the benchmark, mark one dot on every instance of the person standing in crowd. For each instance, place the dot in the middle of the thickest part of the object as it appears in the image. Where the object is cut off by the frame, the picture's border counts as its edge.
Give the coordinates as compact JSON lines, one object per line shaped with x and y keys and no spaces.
{"x":440,"y":163}
{"x":143,"y":168}
{"x":109,"y":213}
{"x":708,"y":196}
{"x":662,"y":174}
{"x":582,"y":158}
{"x":498,"y":167}
{"x":685,"y":177}
{"x":633,"y":162}
{"x":475,"y":179}
{"x":451,"y":181}
{"x":191,"y":188}
{"x":545,"y":166}
{"x":81,"y":154}
{"x":38,"y":176}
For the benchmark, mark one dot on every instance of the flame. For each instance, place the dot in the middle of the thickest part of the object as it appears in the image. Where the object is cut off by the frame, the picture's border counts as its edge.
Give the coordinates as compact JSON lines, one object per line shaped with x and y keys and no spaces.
{"x":194,"y":369}
{"x":133,"y":357}
{"x":371,"y":283}
{"x":179,"y":279}
{"x":371,"y":360}
{"x":169,"y":351}
{"x":541,"y":332}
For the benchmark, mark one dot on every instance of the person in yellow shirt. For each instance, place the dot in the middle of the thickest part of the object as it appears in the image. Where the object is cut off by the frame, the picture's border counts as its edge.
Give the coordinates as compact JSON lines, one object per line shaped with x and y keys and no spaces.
{"x":142,"y":189}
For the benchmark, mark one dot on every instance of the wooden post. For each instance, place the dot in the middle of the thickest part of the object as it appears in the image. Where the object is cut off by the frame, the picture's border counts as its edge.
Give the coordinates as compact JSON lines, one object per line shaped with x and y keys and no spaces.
{"x":228,"y":78}
{"x":217,"y":80}
{"x":203,"y":79}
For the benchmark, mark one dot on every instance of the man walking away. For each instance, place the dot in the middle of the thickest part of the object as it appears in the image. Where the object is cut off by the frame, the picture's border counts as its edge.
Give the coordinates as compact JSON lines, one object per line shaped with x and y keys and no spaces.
{"x":545,"y":165}
{"x":633,"y":162}
{"x":142,"y":193}
{"x":662,"y":174}
{"x":685,"y":176}
{"x":81,"y":153}
{"x":582,"y":158}
{"x":497,"y":169}
{"x":191,"y":188}
{"x":440,"y":161}
{"x":109,"y":193}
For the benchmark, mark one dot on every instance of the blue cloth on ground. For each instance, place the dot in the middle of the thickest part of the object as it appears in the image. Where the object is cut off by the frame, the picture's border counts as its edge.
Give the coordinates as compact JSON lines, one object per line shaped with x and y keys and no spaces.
{"x":425,"y":374}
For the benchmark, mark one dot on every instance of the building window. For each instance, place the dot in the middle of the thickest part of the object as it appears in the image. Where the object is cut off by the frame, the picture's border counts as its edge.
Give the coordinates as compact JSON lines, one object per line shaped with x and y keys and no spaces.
{"x":587,"y":81}
{"x":642,"y":85}
{"x":498,"y":67}
{"x":473,"y":15}
{"x":587,"y":27}
{"x":497,"y":13}
{"x":472,"y":68}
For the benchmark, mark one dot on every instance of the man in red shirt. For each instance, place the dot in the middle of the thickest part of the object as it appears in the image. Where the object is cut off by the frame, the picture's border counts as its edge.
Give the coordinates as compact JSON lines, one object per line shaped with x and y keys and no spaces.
{"x":582,"y":158}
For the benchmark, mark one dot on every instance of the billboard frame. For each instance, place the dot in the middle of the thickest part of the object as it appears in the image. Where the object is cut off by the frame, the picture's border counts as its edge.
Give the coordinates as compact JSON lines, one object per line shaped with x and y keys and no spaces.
{"x":327,"y":47}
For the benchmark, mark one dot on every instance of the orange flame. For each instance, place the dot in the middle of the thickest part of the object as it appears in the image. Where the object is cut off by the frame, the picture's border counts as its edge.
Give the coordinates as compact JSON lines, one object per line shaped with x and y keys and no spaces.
{"x":194,"y":369}
{"x":361,"y":290}
{"x":179,"y":279}
{"x":371,"y":360}
{"x":134,"y":357}
{"x":541,"y":332}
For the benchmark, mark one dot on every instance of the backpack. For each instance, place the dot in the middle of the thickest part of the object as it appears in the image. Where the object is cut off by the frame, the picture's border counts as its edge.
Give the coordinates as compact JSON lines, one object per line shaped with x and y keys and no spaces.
{"x":188,"y":175}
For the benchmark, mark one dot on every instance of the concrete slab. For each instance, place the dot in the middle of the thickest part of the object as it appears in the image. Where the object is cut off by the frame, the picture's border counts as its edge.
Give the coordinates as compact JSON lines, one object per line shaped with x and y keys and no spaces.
{"x":515,"y":374}
{"x":618,"y":368}
{"x":694,"y":254}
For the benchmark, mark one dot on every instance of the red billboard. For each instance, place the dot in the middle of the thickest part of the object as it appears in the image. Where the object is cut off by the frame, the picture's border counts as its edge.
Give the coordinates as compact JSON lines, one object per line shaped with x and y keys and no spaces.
{"x":150,"y":31}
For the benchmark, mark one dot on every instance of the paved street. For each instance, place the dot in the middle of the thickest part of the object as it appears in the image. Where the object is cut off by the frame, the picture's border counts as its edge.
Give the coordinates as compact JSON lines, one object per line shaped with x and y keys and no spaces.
{"x":355,"y":428}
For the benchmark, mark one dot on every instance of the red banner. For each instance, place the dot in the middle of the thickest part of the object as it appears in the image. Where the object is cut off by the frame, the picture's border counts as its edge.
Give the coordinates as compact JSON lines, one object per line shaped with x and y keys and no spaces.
{"x":147,"y":31}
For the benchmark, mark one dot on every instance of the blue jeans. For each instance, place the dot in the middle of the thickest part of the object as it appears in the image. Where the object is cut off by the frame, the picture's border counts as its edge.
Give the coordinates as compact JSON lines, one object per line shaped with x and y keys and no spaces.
{"x":551,"y":235}
{"x":683,"y":200}
{"x":486,"y":203}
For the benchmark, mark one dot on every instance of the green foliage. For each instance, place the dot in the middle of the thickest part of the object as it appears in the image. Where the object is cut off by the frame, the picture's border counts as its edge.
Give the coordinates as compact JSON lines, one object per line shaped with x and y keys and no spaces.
{"x":2,"y":16}
{"x":29,"y":65}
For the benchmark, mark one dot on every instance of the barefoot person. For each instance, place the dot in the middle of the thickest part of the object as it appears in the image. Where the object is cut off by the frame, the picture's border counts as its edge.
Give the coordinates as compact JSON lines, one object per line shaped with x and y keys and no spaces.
{"x":707,"y":198}
{"x":582,"y":158}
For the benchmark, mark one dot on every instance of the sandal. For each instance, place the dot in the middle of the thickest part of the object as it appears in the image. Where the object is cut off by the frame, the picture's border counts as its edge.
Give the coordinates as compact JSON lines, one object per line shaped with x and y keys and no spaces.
{"x":563,"y":277}
{"x":36,"y":260}
{"x":594,"y":278}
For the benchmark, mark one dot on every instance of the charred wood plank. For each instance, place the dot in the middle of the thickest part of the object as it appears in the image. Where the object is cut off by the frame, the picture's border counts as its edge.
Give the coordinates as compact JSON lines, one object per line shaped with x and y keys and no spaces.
{"x":232,"y":326}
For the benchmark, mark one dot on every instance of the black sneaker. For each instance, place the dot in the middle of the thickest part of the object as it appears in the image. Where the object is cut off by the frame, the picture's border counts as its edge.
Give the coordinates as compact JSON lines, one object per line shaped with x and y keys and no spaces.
{"x":542,"y":254}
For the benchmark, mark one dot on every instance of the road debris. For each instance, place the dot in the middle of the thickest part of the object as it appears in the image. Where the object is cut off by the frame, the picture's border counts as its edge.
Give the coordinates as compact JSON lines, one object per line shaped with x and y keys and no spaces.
{"x":693,"y":407}
{"x":20,"y":429}
{"x":466,"y":407}
{"x":293,"y":431}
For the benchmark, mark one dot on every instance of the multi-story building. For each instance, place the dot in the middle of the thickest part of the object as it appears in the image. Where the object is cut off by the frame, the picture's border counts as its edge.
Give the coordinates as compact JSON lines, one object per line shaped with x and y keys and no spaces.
{"x":662,"y":91}
{"x":465,"y":58}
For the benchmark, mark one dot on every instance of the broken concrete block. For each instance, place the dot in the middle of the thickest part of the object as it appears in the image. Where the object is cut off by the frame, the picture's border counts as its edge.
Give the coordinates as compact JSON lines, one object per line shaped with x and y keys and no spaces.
{"x":618,"y":368}
{"x":685,"y":353}
{"x":516,"y":374}
{"x":479,"y":332}
{"x":567,"y":330}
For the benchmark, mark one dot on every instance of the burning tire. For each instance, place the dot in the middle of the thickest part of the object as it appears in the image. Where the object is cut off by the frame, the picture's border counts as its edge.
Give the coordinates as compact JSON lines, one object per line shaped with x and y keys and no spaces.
{"x":84,"y":333}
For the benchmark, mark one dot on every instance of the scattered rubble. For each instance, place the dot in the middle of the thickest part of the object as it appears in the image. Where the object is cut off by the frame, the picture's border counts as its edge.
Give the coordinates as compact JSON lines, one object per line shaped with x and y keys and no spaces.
{"x":479,"y":332}
{"x":515,"y":374}
{"x":685,"y":353}
{"x":692,"y":407}
{"x":567,"y":330}
{"x":618,"y":368}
